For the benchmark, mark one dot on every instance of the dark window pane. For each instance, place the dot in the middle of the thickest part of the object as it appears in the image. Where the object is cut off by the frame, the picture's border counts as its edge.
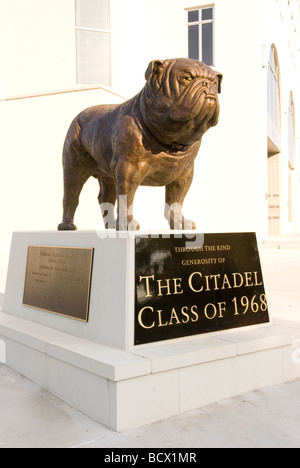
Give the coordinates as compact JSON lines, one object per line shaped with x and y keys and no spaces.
{"x":194,"y":42}
{"x":207,"y":43}
{"x":207,"y":14}
{"x":193,"y":16}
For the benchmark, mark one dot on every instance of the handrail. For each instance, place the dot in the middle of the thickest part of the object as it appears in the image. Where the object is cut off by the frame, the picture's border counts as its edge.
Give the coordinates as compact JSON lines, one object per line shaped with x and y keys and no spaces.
{"x":62,"y":91}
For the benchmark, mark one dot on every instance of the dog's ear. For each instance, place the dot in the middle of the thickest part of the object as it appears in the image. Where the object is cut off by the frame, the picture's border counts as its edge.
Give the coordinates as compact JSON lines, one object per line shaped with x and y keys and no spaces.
{"x":220,"y":78}
{"x":153,"y":68}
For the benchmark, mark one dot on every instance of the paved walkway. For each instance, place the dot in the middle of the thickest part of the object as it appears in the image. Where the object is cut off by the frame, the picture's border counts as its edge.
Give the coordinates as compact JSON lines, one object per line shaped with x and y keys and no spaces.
{"x":270,"y":417}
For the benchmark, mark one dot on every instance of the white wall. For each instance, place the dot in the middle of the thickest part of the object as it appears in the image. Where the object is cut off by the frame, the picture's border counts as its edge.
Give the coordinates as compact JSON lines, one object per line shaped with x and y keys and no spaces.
{"x":143,"y":31}
{"x":37,"y":45}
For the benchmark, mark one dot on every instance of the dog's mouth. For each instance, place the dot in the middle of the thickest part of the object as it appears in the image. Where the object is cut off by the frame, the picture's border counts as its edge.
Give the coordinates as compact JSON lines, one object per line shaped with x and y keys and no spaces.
{"x":194,"y":103}
{"x":209,"y":109}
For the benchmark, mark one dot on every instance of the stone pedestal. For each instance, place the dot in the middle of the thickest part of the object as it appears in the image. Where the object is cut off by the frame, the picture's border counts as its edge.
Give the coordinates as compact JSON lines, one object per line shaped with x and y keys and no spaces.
{"x":112,"y":286}
{"x":95,"y":366}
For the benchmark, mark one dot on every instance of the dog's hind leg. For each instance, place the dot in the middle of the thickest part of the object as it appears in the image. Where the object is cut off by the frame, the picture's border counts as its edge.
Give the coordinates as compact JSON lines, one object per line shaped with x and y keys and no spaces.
{"x":77,"y":170}
{"x":107,"y":200}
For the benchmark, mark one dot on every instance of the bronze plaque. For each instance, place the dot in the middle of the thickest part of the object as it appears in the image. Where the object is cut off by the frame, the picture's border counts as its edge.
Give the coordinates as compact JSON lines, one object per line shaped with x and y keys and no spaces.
{"x":58,"y":280}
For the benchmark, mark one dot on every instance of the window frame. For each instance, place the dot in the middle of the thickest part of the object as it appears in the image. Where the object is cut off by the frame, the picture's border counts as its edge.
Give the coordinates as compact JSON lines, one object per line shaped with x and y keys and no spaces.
{"x":200,"y":22}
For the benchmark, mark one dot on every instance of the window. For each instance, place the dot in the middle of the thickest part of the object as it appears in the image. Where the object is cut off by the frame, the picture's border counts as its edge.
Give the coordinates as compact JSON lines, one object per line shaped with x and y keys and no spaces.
{"x":93,"y":42}
{"x":273,"y":88}
{"x":201,"y":34}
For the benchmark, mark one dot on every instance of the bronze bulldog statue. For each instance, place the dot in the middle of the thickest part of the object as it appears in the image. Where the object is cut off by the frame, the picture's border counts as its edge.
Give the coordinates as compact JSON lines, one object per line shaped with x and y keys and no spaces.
{"x":152,"y":139}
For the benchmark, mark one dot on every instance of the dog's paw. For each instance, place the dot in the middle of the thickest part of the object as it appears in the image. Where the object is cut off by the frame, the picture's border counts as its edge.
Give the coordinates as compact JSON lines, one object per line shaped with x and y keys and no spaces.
{"x":129,"y":226}
{"x":189,"y":225}
{"x":66,"y":227}
{"x":133,"y":225}
{"x":183,"y":225}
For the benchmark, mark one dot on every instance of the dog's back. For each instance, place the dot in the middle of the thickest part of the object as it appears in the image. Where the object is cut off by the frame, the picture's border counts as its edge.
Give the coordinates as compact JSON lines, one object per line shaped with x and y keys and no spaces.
{"x":90,"y":126}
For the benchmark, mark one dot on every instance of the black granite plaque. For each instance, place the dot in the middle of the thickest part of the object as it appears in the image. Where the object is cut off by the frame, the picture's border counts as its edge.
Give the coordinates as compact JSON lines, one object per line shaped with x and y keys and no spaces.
{"x":58,"y":280}
{"x":193,"y":285}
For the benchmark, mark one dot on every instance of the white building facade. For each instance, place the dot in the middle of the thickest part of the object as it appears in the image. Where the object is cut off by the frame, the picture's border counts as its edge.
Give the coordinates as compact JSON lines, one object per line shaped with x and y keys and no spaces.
{"x":60,"y":57}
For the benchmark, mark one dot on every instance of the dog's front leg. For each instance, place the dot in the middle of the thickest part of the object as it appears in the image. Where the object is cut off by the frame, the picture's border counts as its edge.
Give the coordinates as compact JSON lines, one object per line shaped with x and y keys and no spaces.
{"x":175,"y":195}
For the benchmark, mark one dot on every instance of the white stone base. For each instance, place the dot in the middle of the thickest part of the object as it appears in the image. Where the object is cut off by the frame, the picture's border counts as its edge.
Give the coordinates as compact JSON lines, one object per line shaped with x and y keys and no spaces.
{"x":124,"y":390}
{"x":96,"y":368}
{"x":112,"y":288}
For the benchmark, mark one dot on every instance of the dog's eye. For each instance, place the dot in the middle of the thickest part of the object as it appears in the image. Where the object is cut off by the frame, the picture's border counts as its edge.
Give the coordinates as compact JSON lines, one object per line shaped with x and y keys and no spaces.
{"x":186,"y":78}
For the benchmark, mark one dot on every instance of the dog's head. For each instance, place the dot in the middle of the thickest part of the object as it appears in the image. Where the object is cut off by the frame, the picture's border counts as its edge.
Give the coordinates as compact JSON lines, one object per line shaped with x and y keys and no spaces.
{"x":185,"y":90}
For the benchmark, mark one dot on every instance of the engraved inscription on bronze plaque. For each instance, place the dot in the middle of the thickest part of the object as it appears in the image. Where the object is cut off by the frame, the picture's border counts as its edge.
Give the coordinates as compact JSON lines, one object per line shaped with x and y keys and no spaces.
{"x":58,"y":280}
{"x":185,"y":287}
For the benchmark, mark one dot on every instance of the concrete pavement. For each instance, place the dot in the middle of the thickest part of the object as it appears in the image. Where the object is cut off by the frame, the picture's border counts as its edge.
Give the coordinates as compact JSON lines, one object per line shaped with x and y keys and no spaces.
{"x":32,"y":418}
{"x":270,"y":417}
